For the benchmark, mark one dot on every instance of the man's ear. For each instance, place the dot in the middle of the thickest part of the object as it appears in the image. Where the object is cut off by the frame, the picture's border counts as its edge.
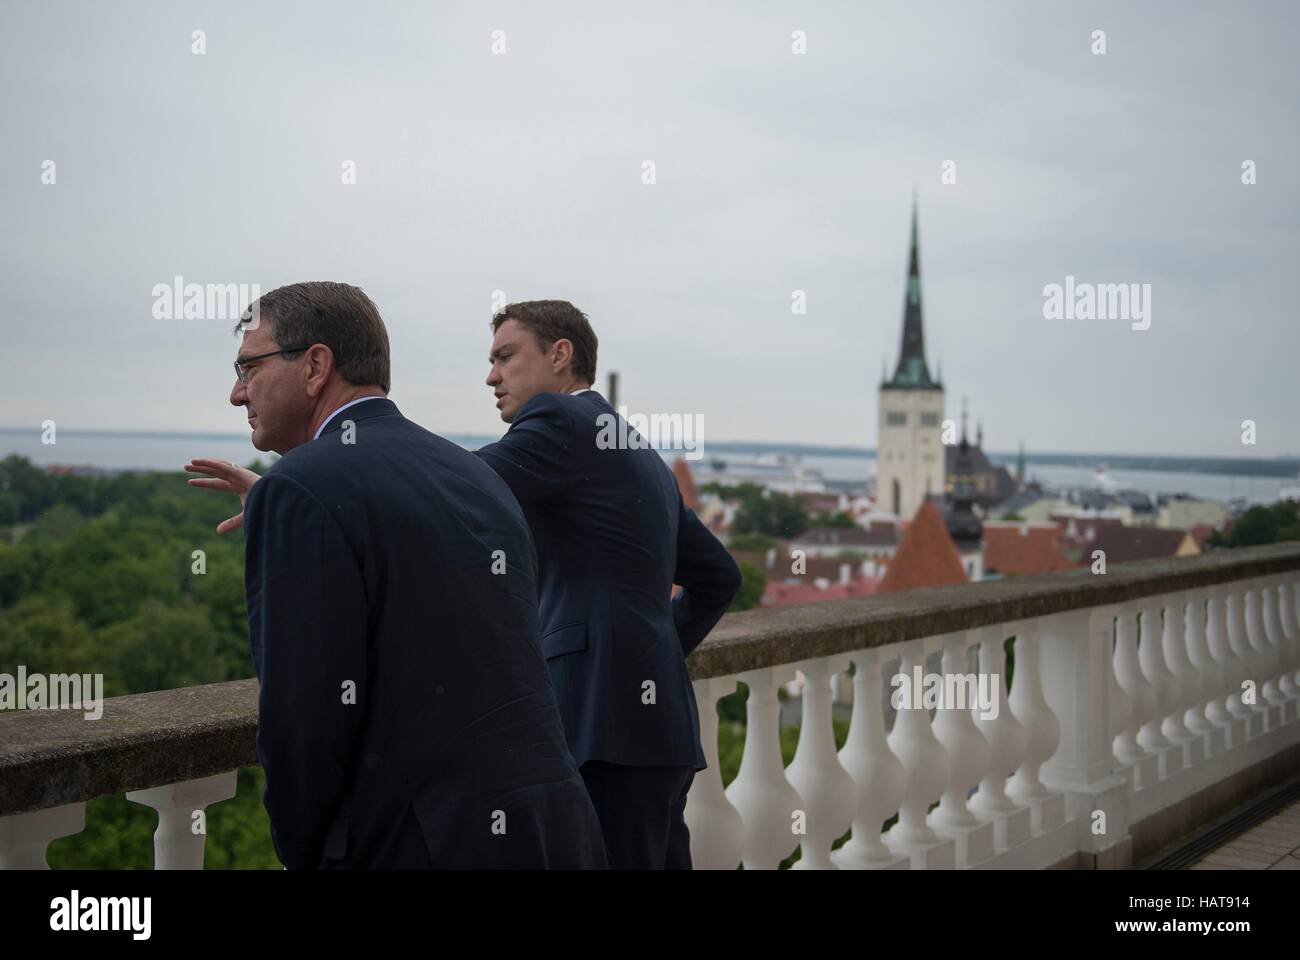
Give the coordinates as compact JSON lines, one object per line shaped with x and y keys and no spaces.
{"x":563,"y":354}
{"x":319,"y":366}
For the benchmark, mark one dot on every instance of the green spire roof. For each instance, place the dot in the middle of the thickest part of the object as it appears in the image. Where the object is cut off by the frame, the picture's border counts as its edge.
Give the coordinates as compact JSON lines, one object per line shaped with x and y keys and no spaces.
{"x":912,"y":372}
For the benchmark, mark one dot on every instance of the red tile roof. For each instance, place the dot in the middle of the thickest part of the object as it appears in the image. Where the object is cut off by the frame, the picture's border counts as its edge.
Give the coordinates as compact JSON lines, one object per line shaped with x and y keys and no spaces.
{"x":1023,"y":548}
{"x":1122,"y":544}
{"x":820,"y":502}
{"x":686,"y":483}
{"x":788,"y":594}
{"x":926,"y":556}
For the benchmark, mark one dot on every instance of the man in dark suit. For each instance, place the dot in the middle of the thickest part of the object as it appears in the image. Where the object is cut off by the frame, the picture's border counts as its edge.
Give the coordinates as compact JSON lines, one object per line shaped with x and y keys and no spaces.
{"x":406,"y":716}
{"x":613,"y":536}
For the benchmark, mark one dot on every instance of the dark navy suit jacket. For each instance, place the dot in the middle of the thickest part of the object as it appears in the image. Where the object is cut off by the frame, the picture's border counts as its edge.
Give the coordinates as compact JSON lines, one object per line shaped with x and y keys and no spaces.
{"x":613,"y":536}
{"x":406,"y":715}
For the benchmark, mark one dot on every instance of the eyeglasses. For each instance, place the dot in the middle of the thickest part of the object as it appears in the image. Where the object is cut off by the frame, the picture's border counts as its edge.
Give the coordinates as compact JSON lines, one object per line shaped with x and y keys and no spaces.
{"x":241,"y":366}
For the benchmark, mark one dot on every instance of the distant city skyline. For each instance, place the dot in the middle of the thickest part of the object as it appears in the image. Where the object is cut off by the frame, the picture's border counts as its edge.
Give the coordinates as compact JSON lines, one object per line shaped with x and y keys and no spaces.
{"x":779,"y":178}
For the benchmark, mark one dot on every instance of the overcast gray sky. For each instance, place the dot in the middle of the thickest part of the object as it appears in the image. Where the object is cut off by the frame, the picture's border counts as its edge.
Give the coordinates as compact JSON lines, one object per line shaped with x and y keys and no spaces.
{"x":522,"y":172}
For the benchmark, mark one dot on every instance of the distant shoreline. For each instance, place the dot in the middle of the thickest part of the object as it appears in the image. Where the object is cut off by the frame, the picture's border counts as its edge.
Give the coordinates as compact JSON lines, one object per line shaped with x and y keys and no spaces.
{"x":1277,"y":466}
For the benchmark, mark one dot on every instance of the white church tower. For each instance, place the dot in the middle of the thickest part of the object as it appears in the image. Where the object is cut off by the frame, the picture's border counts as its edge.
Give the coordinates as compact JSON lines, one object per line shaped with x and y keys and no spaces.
{"x":909,"y":447}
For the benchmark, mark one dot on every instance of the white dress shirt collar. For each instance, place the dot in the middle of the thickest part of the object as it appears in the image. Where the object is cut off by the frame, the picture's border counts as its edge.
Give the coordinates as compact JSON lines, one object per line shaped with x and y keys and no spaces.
{"x":353,"y":403}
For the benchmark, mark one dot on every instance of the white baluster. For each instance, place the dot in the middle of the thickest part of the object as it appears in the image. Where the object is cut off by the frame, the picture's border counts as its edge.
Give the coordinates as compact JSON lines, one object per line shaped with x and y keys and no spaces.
{"x":1141,"y":699}
{"x":1263,"y":659}
{"x":826,"y":789}
{"x":1293,"y":591}
{"x":925,"y":763}
{"x":1077,"y":657}
{"x":1294,"y":586}
{"x":1152,"y":659}
{"x":24,"y":837}
{"x":1248,"y":693}
{"x":968,"y":751}
{"x":766,"y":800}
{"x":1186,"y":682}
{"x":1290,"y":628}
{"x":178,"y":842}
{"x":878,"y":775}
{"x":1280,"y":648}
{"x":1008,"y":743}
{"x":1210,"y":675}
{"x":1121,"y":705}
{"x":716,"y":830}
{"x":1295,"y":619}
{"x":1225,"y":709}
{"x":1042,"y":729}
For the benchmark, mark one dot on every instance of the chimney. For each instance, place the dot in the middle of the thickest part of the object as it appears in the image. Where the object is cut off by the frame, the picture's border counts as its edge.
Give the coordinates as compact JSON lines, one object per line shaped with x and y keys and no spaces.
{"x":846,"y":572}
{"x":613,"y":389}
{"x":771,"y":557}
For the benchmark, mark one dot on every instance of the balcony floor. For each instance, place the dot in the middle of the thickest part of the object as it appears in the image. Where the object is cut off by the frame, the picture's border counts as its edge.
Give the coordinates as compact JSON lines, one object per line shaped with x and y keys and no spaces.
{"x":1273,"y":844}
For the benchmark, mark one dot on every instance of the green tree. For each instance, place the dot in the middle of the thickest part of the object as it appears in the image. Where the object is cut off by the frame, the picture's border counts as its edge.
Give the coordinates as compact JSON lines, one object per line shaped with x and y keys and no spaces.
{"x":752,"y":585}
{"x":770,"y":512}
{"x":732,"y":491}
{"x":756,"y":542}
{"x":11,"y":506}
{"x":838,"y":520}
{"x":1259,"y":525}
{"x":162,"y":647}
{"x":59,"y":522}
{"x":43,"y":634}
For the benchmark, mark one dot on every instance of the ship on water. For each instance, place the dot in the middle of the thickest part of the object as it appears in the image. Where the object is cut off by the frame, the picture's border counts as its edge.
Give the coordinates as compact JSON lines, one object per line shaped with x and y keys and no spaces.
{"x":778,"y":471}
{"x":1102,"y":480}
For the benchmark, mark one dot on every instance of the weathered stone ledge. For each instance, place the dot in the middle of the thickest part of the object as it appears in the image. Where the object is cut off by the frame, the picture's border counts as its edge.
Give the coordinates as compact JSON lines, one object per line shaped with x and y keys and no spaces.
{"x":53,"y":757}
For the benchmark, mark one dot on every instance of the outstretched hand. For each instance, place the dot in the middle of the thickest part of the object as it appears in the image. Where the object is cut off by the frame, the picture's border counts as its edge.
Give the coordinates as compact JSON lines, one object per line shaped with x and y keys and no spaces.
{"x":227,"y":477}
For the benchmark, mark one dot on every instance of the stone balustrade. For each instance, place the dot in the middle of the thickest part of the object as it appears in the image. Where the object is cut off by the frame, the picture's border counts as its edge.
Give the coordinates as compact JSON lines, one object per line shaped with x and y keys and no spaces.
{"x":1142,"y":702}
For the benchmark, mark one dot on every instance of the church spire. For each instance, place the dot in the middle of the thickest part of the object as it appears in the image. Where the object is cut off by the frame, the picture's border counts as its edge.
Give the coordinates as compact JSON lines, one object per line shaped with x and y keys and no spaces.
{"x":964,"y":525}
{"x":912,"y":371}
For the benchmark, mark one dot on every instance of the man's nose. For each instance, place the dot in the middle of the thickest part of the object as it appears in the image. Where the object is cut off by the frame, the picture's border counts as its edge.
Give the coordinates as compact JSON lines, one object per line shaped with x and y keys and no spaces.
{"x":493,"y":378}
{"x":238,"y":394}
